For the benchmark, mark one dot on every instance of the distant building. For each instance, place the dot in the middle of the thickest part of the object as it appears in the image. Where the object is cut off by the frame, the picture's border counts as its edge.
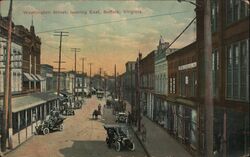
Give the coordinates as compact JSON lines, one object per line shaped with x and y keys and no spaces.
{"x":47,"y":74}
{"x":147,"y":69}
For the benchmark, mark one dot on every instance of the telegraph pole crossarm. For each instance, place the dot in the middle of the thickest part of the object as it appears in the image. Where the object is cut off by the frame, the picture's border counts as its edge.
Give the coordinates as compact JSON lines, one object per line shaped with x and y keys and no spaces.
{"x":61,"y":34}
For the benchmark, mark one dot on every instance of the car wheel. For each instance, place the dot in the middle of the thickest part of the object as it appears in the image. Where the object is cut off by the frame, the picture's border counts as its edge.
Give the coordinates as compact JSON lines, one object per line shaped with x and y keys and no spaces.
{"x":118,"y":146}
{"x":61,"y":127}
{"x":45,"y":131}
{"x":131,"y":146}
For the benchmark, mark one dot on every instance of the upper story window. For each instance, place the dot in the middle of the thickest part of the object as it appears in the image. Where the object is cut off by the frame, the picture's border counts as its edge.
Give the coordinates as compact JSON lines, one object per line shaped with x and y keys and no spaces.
{"x":236,"y":10}
{"x":215,"y":71}
{"x":237,"y":83}
{"x":214,"y":13}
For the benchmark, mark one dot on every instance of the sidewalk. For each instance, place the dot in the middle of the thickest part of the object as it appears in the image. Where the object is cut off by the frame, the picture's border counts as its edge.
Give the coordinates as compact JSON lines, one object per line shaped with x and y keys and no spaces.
{"x":159,"y":143}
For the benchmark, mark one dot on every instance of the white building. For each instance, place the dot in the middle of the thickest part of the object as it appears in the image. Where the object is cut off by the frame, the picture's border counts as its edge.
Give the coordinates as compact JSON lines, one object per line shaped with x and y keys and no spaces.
{"x":161,"y":80}
{"x":16,"y":65}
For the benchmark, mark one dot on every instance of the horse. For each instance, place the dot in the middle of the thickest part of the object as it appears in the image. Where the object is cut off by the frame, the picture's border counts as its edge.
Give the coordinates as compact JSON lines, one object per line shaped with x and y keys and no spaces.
{"x":95,"y":114}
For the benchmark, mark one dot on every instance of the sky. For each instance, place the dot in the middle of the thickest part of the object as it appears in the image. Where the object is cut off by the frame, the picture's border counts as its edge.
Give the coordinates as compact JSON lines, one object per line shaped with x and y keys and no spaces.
{"x":108,"y":32}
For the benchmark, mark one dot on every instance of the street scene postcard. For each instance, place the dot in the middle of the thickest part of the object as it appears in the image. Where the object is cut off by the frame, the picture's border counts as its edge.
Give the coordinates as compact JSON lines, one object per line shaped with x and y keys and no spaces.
{"x":124,"y":78}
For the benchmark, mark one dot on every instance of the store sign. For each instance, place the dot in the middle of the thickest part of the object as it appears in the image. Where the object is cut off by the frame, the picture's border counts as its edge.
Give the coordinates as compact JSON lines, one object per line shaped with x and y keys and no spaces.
{"x":187,"y":66}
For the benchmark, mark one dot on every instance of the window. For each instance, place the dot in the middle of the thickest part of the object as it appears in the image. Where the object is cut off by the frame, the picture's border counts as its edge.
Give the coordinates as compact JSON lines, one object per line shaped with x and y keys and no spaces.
{"x":237,"y":71}
{"x":236,"y":10}
{"x":215,"y":69}
{"x":214,"y":12}
{"x":170,"y":85}
{"x":174,"y":85}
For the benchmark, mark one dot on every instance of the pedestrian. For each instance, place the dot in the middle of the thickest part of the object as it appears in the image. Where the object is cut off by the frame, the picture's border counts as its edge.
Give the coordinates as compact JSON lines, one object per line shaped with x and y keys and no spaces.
{"x":143,"y":133}
{"x":129,"y":118}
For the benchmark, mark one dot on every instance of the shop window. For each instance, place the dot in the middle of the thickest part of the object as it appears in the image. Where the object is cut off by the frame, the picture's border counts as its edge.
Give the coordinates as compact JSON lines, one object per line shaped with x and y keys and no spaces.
{"x":214,"y":13}
{"x":174,"y":87}
{"x":170,"y":85}
{"x":15,"y":123}
{"x":236,"y":10}
{"x":237,"y":71}
{"x":22,"y":120}
{"x":215,"y":71}
{"x":28,"y":117}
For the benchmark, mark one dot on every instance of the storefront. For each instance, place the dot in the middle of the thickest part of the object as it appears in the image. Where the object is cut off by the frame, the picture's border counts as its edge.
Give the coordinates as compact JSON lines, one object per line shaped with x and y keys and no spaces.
{"x":29,"y":111}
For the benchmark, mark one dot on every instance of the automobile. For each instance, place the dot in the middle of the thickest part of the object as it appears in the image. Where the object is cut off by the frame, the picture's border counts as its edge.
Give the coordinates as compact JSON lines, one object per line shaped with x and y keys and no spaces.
{"x":99,"y":94}
{"x":118,"y":137}
{"x":121,"y":117}
{"x":53,"y":122}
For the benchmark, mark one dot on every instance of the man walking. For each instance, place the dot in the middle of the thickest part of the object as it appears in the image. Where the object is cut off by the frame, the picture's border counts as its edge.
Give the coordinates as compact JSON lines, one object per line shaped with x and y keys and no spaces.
{"x":143,"y":133}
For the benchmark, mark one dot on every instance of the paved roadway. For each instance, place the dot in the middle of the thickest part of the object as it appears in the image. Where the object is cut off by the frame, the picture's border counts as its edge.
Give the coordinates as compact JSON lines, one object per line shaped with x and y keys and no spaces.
{"x":81,"y":137}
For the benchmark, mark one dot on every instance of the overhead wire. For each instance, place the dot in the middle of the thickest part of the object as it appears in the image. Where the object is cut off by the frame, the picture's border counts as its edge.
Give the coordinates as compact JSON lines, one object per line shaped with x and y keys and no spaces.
{"x":115,"y":21}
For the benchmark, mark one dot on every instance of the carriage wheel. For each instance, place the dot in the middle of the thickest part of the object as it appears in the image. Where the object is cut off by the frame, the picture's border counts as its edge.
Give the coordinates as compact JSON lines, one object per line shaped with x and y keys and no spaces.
{"x":45,"y":131}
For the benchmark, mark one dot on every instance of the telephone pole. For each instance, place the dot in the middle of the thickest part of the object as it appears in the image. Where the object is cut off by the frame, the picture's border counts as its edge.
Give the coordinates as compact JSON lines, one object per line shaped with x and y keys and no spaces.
{"x":100,"y":80}
{"x":90,"y":83}
{"x":7,"y":119}
{"x":61,"y":34}
{"x":115,"y":83}
{"x":74,"y":92}
{"x":209,"y":108}
{"x":105,"y":83}
{"x":83,"y":79}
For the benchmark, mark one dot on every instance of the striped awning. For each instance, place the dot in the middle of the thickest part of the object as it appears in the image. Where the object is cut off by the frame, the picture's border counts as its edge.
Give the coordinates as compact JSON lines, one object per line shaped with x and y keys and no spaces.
{"x":28,"y":77}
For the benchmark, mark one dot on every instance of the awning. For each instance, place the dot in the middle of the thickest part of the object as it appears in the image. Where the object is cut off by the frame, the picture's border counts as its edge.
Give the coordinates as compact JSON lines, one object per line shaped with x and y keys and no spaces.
{"x":29,"y":101}
{"x":28,"y":77}
{"x":40,"y":77}
{"x":35,"y":78}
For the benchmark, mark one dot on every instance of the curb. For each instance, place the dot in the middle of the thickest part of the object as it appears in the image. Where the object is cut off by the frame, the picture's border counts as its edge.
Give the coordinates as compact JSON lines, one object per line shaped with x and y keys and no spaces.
{"x":144,"y":148}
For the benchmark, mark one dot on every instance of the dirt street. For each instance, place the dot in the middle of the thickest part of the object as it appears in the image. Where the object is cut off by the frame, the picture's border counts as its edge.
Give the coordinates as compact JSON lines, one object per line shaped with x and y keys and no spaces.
{"x":81,"y":137}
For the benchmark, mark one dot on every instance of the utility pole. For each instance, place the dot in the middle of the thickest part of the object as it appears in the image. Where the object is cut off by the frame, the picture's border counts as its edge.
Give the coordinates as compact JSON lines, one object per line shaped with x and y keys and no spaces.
{"x":83,"y":79}
{"x":209,"y":108}
{"x":100,"y":80}
{"x":7,"y":89}
{"x":138,"y":93}
{"x":90,"y":83}
{"x":131,"y":90}
{"x":61,"y":34}
{"x":119,"y":87}
{"x":115,"y":83}
{"x":74,"y":92}
{"x":105,"y":83}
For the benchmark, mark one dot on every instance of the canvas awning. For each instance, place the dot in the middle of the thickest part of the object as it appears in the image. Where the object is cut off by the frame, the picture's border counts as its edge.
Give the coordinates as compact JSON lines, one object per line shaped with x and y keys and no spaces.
{"x":40,"y":77}
{"x":35,"y":78}
{"x":28,"y":77}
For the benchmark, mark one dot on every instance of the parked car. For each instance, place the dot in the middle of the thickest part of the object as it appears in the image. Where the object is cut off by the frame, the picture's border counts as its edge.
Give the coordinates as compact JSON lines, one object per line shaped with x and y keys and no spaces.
{"x":121,"y":117}
{"x":99,"y":94}
{"x":53,"y":122}
{"x":118,"y":137}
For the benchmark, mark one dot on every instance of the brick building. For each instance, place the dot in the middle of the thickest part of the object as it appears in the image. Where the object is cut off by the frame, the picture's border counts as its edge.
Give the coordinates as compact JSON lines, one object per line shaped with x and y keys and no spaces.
{"x":147,"y":84}
{"x":230,"y":81}
{"x":31,"y":45}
